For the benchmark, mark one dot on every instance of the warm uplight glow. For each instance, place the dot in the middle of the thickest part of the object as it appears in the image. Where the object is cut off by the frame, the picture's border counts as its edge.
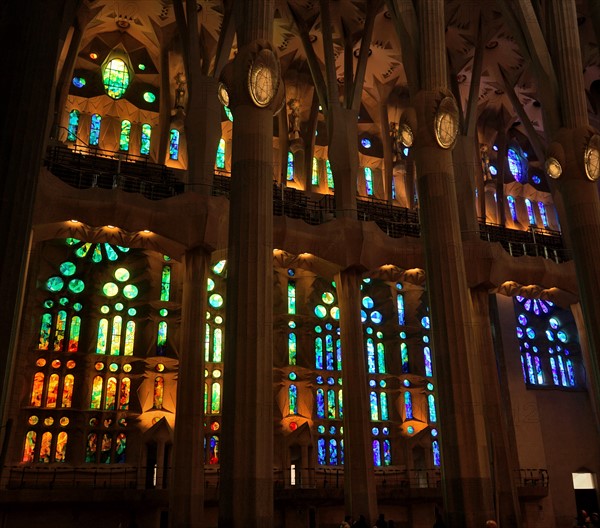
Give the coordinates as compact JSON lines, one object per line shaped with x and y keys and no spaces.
{"x":73,"y":221}
{"x":110,"y":226}
{"x":147,"y":231}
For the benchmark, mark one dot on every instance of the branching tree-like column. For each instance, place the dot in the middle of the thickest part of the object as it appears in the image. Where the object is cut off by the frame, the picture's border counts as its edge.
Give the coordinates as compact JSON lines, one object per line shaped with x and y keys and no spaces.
{"x":255,"y":90}
{"x":465,"y":457}
{"x":186,"y":489}
{"x":359,"y":481}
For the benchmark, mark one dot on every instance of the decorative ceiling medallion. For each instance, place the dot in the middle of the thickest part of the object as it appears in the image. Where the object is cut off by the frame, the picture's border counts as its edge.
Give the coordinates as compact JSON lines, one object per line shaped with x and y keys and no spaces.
{"x":592,"y":158}
{"x":263,"y":78}
{"x":553,"y":168}
{"x":446,"y":122}
{"x":222,"y":94}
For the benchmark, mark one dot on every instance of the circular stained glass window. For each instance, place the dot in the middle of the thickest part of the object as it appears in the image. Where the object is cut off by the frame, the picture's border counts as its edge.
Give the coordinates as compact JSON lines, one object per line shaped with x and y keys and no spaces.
{"x":127,"y":367}
{"x":332,"y":429}
{"x":215,"y":300}
{"x":375,"y":431}
{"x":406,"y":383}
{"x":132,"y":311}
{"x":293,"y":426}
{"x":425,"y":323}
{"x":99,"y":366}
{"x":292,"y":376}
{"x":149,"y":97}
{"x":130,"y":291}
{"x":110,"y":289}
{"x":163,"y":312}
{"x":104,"y":309}
{"x":218,"y":319}
{"x":77,"y":307}
{"x":330,"y":381}
{"x":55,"y":284}
{"x":554,"y":323}
{"x":434,"y":432}
{"x":327,"y":297}
{"x":215,"y":426}
{"x":122,"y":422}
{"x":67,"y":268}
{"x":320,"y":311}
{"x":410,"y":429}
{"x":71,"y":364}
{"x":522,"y":319}
{"x":321,"y":429}
{"x":562,"y":336}
{"x":210,"y":285}
{"x":78,"y":82}
{"x":216,"y":373}
{"x":48,"y":303}
{"x":159,"y":367}
{"x":365,"y":142}
{"x":363,"y":316}
{"x":335,"y":313}
{"x":33,"y":420}
{"x":113,"y":367}
{"x":76,"y":285}
{"x":56,"y":363}
{"x":292,"y":324}
{"x":119,"y":307}
{"x":40,"y":362}
{"x":122,"y":274}
{"x":367,"y":302}
{"x":64,"y":421}
{"x":530,"y":333}
{"x":376,"y":317}
{"x":93,"y":422}
{"x":63,"y":301}
{"x":48,"y":421}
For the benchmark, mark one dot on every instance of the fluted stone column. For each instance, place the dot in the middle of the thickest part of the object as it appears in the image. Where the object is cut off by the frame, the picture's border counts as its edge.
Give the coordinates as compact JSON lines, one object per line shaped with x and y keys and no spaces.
{"x":466,"y":160}
{"x":497,"y":414}
{"x":466,"y":479}
{"x":24,"y":129}
{"x":246,"y":490}
{"x":359,"y":481}
{"x":579,"y":194}
{"x":186,"y":489}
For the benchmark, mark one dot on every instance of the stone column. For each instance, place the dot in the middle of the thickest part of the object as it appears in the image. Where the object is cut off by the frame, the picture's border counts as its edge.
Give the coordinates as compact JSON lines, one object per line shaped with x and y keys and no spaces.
{"x":466,"y":161}
{"x":497,"y":415}
{"x":186,"y":488}
{"x":24,"y":127}
{"x":246,"y":493}
{"x":465,"y":464}
{"x":359,"y":480}
{"x":581,"y":204}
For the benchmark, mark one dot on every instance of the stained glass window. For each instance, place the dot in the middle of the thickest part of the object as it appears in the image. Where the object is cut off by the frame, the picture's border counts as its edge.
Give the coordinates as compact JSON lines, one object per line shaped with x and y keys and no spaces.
{"x":36,"y":391}
{"x":329,"y":173}
{"x":369,"y":181}
{"x":320,"y":403}
{"x":315,"y":172}
{"x":125,"y":135}
{"x":145,"y":139}
{"x":220,"y":161}
{"x":165,"y":283}
{"x":293,"y":398}
{"x":45,"y":447}
{"x":215,"y":398}
{"x":408,"y":408}
{"x":111,"y":394}
{"x":124,"y":394}
{"x":159,"y":387}
{"x":174,"y":144}
{"x":73,"y":125}
{"x":120,"y":448}
{"x":515,"y":164}
{"x":530,"y":212}
{"x":29,"y":448}
{"x":543,"y":215}
{"x":217,"y":345}
{"x":45,"y":328}
{"x":95,"y":130}
{"x":96,"y":398}
{"x":376,"y":453}
{"x":213,"y":454}
{"x":105,"y":448}
{"x":291,"y":297}
{"x":61,"y":447}
{"x":400,"y":307}
{"x":428,"y":364}
{"x":74,"y":333}
{"x":129,"y":338}
{"x":52,"y":391}
{"x":404,"y":357}
{"x":67,"y":395}
{"x":91,"y":447}
{"x":59,"y":330}
{"x":161,"y":339}
{"x":512,"y":207}
{"x":435,"y":448}
{"x":115,"y":344}
{"x":116,"y":78}
{"x":374,"y":405}
{"x":290,"y":167}
{"x":431,"y":405}
{"x":291,"y":348}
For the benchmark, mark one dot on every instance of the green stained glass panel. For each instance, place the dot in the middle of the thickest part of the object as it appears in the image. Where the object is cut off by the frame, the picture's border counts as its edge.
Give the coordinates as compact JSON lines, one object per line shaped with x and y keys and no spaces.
{"x":111,"y":254}
{"x":97,"y":254}
{"x":217,"y":345}
{"x":102,"y":336}
{"x":129,"y":338}
{"x":96,"y":398}
{"x":122,"y":274}
{"x":82,"y":251}
{"x":110,"y":289}
{"x":67,"y":268}
{"x":219,"y":267}
{"x":76,"y":285}
{"x":165,"y":285}
{"x":130,"y":291}
{"x":215,"y":300}
{"x":215,"y":399}
{"x":115,"y":343}
{"x":55,"y":284}
{"x":59,"y":330}
{"x":45,"y":327}
{"x":116,"y":78}
{"x":74,"y":333}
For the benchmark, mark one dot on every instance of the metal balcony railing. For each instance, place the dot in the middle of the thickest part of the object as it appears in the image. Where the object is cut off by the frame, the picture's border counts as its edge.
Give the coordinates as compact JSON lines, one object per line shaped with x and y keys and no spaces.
{"x":88,"y":167}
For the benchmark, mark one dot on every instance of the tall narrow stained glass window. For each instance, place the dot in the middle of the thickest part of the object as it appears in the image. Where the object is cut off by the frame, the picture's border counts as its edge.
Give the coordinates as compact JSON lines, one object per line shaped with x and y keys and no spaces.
{"x":530,"y":213}
{"x":73,"y":125}
{"x":174,"y":144}
{"x":165,"y":283}
{"x":145,"y":139}
{"x":290,"y":167}
{"x":220,"y":161}
{"x":329,"y":173}
{"x":368,"y":181}
{"x":314,"y":178}
{"x":512,"y":206}
{"x":125,"y":135}
{"x":95,"y":130}
{"x":543,"y":214}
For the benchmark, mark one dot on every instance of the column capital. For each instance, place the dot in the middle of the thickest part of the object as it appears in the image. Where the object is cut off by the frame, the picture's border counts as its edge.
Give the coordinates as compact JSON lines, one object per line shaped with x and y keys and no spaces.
{"x":574,"y":154}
